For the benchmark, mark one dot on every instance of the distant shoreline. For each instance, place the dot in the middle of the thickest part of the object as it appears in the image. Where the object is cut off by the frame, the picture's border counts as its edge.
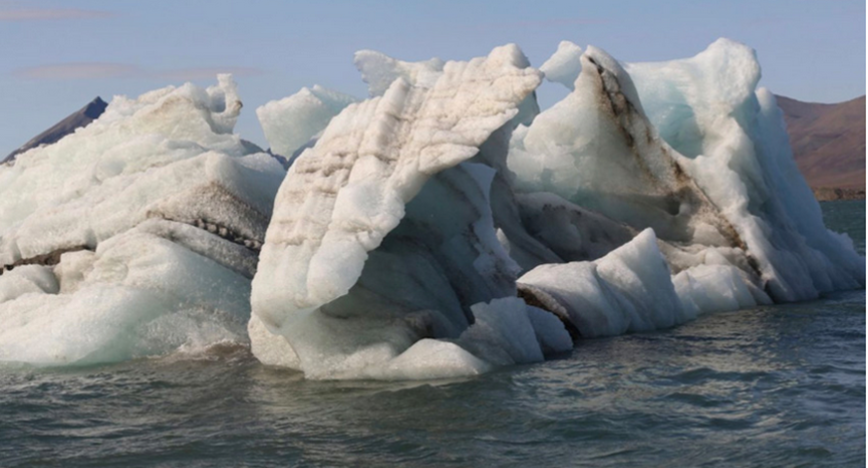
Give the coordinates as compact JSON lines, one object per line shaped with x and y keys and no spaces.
{"x":834,"y":194}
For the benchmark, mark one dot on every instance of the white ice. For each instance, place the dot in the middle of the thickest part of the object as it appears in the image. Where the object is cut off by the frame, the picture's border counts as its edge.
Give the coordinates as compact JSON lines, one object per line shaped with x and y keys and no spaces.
{"x":138,"y":295}
{"x":292,"y":122}
{"x":735,"y":146}
{"x":565,"y":65}
{"x":168,"y":154}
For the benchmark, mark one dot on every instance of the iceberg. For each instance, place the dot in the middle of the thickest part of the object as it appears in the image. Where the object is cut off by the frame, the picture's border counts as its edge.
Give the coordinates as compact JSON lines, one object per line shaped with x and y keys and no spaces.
{"x":135,"y":235}
{"x":379,"y":70}
{"x":628,"y":290}
{"x":744,"y":163}
{"x":137,"y":295}
{"x":443,"y":227}
{"x":605,"y":224}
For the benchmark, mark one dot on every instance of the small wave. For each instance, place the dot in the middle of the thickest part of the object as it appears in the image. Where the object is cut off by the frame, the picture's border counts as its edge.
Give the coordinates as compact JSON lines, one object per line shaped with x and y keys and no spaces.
{"x":226,"y":350}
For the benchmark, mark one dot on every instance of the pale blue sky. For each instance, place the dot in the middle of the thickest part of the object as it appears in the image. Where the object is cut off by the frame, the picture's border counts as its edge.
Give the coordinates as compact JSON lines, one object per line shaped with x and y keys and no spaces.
{"x":56,"y":56}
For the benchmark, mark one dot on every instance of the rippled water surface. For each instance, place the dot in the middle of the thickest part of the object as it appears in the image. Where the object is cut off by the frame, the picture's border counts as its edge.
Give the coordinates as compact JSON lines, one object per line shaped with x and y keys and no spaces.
{"x":773,"y":386}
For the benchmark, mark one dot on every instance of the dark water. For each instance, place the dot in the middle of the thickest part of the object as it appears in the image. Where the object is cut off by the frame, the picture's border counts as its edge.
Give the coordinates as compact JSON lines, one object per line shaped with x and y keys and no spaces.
{"x":774,"y":386}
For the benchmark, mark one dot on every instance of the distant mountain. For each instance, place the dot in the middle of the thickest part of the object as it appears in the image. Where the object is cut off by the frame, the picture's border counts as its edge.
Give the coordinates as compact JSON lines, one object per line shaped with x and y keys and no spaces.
{"x":828,"y":143}
{"x":80,"y":118}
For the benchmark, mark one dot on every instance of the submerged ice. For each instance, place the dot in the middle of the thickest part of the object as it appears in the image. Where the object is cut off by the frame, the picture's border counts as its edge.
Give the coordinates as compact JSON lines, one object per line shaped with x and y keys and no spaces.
{"x":442,"y":227}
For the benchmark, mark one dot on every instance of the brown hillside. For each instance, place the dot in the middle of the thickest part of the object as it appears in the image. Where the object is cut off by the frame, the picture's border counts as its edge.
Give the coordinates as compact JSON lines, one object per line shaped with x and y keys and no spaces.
{"x":828,"y":141}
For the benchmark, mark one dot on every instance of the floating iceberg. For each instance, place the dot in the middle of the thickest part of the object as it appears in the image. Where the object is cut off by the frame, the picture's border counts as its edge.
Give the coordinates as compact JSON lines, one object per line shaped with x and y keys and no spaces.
{"x":443,"y":227}
{"x":603,"y":224}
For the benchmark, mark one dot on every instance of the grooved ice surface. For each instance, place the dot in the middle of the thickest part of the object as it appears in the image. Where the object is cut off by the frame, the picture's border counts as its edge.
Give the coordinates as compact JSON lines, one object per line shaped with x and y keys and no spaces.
{"x":358,"y":270}
{"x":168,"y":154}
{"x":343,"y":197}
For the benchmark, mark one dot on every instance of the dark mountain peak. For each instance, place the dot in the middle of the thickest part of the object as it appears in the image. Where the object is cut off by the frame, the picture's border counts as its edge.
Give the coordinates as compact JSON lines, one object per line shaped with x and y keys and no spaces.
{"x":95,"y":108}
{"x":76,"y":120}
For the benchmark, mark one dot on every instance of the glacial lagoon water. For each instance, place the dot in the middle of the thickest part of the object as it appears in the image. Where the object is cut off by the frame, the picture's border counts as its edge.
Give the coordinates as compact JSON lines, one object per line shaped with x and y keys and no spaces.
{"x":773,"y":386}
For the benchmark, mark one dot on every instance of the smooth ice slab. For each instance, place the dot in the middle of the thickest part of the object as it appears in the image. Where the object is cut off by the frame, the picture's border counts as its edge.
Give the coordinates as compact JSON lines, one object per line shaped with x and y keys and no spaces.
{"x":628,"y":290}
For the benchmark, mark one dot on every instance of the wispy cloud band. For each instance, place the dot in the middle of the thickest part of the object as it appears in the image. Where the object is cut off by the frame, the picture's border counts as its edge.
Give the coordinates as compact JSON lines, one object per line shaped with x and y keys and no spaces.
{"x":203,"y":73}
{"x":545,"y":23}
{"x":79,"y":71}
{"x":43,"y":14}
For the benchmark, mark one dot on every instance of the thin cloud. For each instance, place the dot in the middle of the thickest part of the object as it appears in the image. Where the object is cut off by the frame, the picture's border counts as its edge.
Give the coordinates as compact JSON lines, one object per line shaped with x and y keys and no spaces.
{"x":204,"y":73}
{"x":79,"y":71}
{"x":96,"y":70}
{"x":44,"y":14}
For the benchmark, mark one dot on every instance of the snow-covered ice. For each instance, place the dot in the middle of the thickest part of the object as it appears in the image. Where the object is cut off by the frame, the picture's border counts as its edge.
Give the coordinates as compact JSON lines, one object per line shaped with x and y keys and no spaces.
{"x":136,"y":235}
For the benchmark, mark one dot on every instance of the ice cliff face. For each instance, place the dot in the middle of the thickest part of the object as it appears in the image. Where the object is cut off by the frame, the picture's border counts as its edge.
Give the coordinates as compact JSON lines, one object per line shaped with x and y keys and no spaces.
{"x":442,"y":227}
{"x":736,"y":148}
